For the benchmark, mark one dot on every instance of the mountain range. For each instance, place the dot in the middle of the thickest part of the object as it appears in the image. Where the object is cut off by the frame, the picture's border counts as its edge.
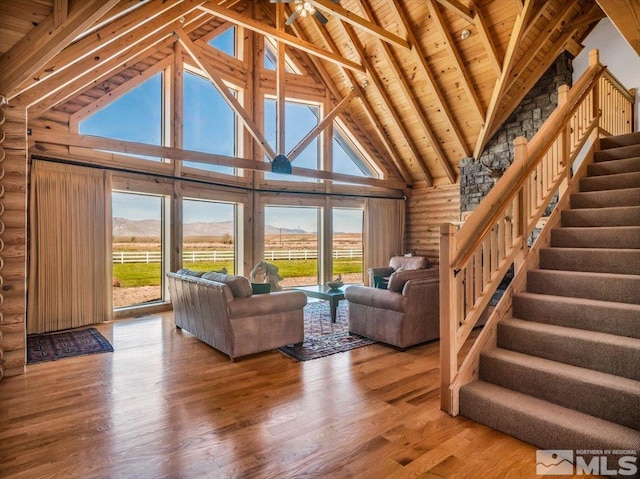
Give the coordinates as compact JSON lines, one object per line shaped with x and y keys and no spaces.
{"x":150,"y":228}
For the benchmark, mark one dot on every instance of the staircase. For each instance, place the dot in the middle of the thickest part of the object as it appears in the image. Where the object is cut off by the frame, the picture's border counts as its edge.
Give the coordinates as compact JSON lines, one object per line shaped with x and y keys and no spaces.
{"x":566,"y":370}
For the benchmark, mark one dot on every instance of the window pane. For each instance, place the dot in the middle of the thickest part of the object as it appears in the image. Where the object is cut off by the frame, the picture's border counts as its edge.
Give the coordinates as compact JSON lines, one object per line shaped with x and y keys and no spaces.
{"x":135,"y":116}
{"x":291,"y":243}
{"x":209,"y":123}
{"x":347,"y":244}
{"x":209,"y":235}
{"x":226,"y":42}
{"x":137,"y":249}
{"x":300,"y":119}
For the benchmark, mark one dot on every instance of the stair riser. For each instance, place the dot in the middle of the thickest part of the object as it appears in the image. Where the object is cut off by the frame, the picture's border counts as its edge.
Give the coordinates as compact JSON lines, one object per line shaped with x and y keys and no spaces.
{"x":611,"y":358}
{"x":610,"y":182}
{"x":537,"y":426}
{"x":622,"y":216}
{"x":586,"y":260}
{"x":605,"y":199}
{"x":609,"y":318}
{"x":620,"y":140}
{"x":564,"y":390}
{"x":614,"y":167}
{"x":621,"y":288}
{"x":624,"y":237}
{"x":618,"y":153}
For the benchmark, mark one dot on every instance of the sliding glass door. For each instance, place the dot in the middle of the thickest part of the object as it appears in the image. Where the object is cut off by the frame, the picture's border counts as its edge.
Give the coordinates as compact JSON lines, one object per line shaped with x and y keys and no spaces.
{"x":347,"y":248}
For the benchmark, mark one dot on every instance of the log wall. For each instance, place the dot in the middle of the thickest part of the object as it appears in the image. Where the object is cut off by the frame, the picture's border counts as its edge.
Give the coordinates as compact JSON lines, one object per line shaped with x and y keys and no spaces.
{"x":427,"y":209}
{"x":13,"y":234}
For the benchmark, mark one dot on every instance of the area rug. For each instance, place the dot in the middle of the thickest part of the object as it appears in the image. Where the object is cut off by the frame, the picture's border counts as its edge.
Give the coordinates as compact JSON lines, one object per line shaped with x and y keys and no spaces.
{"x":322,"y":337}
{"x":67,"y":344}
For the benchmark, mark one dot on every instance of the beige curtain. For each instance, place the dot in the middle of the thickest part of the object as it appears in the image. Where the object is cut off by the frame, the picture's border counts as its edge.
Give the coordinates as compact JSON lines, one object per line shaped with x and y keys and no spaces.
{"x":383,"y":231}
{"x":70,"y":273}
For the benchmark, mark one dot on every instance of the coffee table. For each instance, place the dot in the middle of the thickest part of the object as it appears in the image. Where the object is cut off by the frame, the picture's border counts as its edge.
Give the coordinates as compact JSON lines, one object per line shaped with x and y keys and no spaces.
{"x":320,"y":291}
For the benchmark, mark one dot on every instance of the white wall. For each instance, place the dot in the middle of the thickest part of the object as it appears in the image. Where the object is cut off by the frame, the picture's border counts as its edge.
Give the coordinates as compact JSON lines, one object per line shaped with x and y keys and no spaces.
{"x":616,"y":54}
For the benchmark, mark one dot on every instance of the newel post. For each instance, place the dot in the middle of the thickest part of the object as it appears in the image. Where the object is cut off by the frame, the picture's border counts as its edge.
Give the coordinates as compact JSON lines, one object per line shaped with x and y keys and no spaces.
{"x":524,"y":198}
{"x":448,"y":317}
{"x":565,"y":146}
{"x":594,"y":59}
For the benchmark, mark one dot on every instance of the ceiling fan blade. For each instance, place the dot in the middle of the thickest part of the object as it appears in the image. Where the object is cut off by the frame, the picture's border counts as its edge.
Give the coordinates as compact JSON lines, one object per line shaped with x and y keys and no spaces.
{"x":320,"y":17}
{"x":292,"y":18}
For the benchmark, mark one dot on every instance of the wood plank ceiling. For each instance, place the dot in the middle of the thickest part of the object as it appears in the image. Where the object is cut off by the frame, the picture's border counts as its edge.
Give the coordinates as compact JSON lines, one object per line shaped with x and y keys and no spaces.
{"x":435,"y":78}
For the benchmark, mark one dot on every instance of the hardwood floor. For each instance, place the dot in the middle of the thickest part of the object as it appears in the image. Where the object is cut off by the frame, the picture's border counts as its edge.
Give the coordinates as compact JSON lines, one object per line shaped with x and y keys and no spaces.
{"x":165,"y":405}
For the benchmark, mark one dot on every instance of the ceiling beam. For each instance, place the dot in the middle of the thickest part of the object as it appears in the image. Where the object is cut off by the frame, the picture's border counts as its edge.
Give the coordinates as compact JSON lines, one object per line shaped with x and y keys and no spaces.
{"x":360,"y":23}
{"x":595,"y":14}
{"x":97,"y":42}
{"x":326,"y":121}
{"x":513,"y":48}
{"x":487,"y":41}
{"x":60,"y":12}
{"x":291,"y":40}
{"x":113,"y":56}
{"x":466,"y":82}
{"x":397,"y":166}
{"x":421,"y":59}
{"x":232,"y":101}
{"x":42,"y":43}
{"x":59,"y":137}
{"x":459,"y":8}
{"x":539,"y":43}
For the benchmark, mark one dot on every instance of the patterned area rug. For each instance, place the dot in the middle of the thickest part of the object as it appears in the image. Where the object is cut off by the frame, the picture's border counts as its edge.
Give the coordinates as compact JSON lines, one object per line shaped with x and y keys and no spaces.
{"x":67,"y":344}
{"x":321,"y":336}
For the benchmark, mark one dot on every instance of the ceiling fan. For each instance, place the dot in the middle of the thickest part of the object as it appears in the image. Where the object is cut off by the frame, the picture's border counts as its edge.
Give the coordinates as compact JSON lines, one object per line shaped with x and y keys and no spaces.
{"x":304,"y":8}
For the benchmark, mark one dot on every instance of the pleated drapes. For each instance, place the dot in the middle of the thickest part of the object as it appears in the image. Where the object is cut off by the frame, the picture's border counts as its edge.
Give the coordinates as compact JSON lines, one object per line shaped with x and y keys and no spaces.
{"x":383,"y":231}
{"x":70,"y":271}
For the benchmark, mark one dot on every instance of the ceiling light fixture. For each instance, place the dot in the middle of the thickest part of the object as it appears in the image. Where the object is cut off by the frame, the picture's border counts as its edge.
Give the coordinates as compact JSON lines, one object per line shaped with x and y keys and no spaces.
{"x":465,"y":34}
{"x":304,"y":8}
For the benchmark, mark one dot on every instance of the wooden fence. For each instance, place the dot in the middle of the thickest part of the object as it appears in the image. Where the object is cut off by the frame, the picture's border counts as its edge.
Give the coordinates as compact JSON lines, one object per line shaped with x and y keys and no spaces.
{"x":122,"y":257}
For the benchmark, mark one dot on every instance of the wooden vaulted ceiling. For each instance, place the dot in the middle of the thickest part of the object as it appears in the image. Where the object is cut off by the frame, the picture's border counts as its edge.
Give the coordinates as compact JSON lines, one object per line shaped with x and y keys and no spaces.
{"x":426,"y":97}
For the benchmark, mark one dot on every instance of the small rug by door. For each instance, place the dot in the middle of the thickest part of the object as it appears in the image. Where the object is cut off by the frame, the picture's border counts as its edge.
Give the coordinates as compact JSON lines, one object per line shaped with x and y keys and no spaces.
{"x":322,"y":337}
{"x":66,"y":344}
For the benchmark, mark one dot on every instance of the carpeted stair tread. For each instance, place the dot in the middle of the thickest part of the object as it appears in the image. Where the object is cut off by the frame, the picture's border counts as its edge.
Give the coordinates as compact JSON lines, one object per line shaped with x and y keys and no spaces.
{"x":613,"y":167}
{"x":610,"y":182}
{"x":623,"y":288}
{"x":620,"y":140}
{"x":617,"y":153}
{"x":612,"y":216}
{"x":573,"y":387}
{"x":607,"y":353}
{"x":625,"y":237}
{"x":542,"y":423}
{"x":595,"y":260}
{"x":605,"y":198}
{"x":622,"y":319}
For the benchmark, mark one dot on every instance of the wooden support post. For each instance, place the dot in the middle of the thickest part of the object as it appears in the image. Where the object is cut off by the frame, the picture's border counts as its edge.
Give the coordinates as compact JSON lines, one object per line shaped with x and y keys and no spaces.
{"x":448,"y":319}
{"x":565,"y":147}
{"x":524,"y":198}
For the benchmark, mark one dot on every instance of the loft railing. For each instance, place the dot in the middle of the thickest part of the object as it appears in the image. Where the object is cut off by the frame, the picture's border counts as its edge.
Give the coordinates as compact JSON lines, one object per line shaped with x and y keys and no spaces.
{"x":475,"y":258}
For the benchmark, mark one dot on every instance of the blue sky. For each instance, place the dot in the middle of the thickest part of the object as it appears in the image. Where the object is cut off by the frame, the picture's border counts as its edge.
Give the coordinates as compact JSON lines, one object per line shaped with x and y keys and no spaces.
{"x":209,"y":126}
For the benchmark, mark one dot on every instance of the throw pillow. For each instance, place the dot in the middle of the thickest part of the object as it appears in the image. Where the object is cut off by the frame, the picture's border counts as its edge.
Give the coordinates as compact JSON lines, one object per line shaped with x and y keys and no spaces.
{"x":190,"y":272}
{"x":239,"y":285}
{"x":398,"y":279}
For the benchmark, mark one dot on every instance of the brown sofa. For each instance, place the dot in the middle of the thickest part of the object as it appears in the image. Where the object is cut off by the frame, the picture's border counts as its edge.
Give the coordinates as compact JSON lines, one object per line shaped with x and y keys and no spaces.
{"x":378,"y":277}
{"x":220,"y":310}
{"x":405,"y":314}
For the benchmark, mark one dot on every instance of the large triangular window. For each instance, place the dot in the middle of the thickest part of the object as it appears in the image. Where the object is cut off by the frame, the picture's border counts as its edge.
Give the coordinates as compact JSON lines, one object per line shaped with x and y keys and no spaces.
{"x":348,"y":157}
{"x":135,"y":116}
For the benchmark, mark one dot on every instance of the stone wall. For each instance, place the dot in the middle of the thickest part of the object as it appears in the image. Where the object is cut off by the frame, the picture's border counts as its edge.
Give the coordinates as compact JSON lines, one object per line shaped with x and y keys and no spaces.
{"x":527,"y":118}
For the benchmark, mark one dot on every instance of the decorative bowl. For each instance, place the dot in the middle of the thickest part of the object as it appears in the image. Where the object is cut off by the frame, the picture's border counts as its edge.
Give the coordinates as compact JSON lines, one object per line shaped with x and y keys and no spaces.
{"x":335,"y":284}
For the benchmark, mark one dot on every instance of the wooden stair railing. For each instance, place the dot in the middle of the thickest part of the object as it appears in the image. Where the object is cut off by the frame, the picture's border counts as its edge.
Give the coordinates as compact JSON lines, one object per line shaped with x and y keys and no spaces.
{"x":475,"y":258}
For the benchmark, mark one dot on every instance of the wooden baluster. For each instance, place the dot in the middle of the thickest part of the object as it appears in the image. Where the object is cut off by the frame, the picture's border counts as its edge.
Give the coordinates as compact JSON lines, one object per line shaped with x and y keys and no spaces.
{"x":448,"y":317}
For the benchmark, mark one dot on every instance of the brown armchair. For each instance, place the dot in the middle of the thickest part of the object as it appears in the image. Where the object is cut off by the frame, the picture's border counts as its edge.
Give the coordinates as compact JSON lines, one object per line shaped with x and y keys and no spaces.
{"x":405,"y":314}
{"x":379,"y":277}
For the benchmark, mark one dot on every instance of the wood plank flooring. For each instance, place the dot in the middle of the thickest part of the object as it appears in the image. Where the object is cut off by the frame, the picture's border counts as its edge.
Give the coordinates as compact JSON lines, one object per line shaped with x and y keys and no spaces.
{"x":165,"y":405}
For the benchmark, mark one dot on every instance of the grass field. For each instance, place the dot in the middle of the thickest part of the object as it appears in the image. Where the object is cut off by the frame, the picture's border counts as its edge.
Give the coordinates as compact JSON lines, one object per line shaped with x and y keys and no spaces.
{"x":132,"y":275}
